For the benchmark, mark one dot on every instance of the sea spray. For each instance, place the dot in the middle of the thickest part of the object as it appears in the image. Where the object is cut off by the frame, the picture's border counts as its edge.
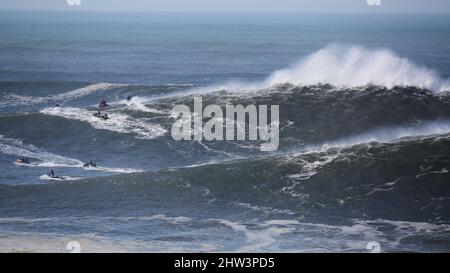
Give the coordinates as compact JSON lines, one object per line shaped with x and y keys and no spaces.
{"x":345,"y":66}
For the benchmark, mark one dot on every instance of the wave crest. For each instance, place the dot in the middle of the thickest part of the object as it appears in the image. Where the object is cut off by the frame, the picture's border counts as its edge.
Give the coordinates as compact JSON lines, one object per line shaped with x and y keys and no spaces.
{"x":356,"y":66}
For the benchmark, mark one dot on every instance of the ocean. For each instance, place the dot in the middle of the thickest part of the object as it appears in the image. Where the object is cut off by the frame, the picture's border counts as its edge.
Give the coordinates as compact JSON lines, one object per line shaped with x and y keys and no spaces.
{"x":364,"y":149}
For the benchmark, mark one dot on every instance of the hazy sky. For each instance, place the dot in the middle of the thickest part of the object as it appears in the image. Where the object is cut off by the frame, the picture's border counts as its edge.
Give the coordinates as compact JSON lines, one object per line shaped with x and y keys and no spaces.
{"x":296,"y":6}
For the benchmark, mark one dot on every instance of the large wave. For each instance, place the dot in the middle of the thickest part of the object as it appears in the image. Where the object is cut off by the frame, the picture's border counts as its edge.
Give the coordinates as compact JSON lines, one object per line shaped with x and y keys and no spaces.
{"x":347,"y":66}
{"x":355,"y":66}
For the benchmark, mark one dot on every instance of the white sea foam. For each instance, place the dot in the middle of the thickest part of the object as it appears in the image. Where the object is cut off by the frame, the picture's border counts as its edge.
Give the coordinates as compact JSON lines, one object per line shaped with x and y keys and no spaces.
{"x":117,"y":122}
{"x":138,"y":104}
{"x":113,"y":170}
{"x":257,"y":239}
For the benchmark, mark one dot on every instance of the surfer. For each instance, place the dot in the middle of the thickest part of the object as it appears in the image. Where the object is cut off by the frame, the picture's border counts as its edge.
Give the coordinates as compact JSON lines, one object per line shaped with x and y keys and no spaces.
{"x":23,"y":160}
{"x":129,"y":98}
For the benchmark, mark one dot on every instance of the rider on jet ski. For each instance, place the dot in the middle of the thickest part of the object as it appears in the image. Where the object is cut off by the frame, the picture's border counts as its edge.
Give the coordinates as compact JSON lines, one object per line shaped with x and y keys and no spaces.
{"x":100,"y":115}
{"x":23,"y":160}
{"x":90,"y":164}
{"x":52,"y":174}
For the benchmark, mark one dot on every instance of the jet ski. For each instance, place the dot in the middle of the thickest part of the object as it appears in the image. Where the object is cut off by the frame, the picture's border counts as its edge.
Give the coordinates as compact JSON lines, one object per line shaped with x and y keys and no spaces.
{"x":23,"y":161}
{"x":90,"y":164}
{"x":102,"y":116}
{"x":56,"y":177}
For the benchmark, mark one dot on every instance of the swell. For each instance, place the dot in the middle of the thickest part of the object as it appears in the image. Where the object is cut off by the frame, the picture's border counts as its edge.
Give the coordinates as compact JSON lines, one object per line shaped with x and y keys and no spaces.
{"x":309,"y":116}
{"x":365,"y":181}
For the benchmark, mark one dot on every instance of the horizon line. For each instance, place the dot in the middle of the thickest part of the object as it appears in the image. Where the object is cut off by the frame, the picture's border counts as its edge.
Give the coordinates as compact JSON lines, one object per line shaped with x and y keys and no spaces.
{"x":78,"y":10}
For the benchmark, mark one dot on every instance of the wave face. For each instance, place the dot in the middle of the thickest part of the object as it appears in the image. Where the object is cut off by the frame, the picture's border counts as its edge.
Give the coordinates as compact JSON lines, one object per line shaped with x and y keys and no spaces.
{"x":267,"y":204}
{"x":136,"y":137}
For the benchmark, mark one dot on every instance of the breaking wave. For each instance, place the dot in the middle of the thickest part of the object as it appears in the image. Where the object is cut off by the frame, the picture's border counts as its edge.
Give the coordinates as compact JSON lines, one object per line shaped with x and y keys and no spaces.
{"x":347,"y":67}
{"x":355,"y":66}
